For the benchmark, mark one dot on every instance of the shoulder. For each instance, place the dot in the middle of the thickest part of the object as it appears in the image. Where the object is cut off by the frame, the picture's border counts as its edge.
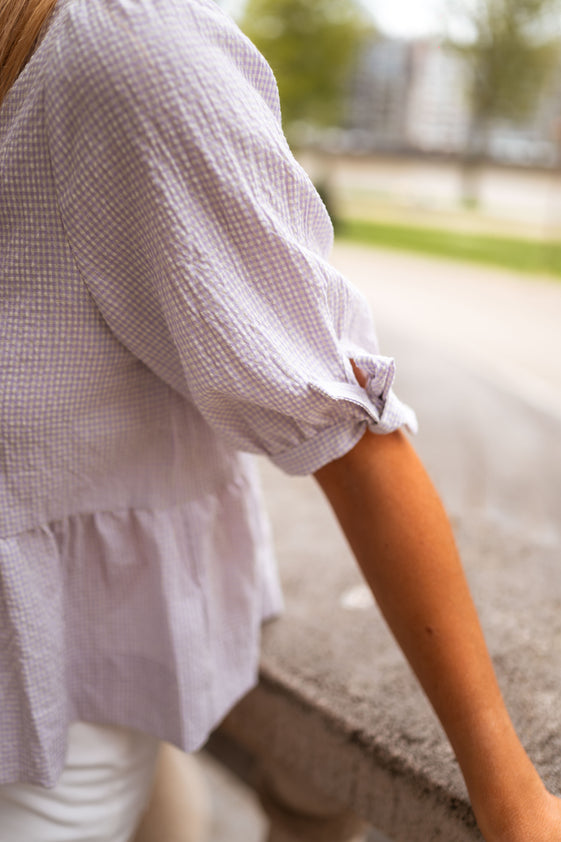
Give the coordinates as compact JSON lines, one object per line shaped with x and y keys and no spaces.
{"x":142,"y":53}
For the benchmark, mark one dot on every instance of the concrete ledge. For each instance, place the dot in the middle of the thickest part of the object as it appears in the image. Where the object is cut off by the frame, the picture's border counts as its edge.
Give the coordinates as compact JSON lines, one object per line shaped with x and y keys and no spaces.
{"x":285,"y":730}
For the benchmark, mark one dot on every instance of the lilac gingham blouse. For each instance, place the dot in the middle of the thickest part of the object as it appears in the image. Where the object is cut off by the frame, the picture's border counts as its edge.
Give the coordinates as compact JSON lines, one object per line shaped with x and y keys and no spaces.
{"x":165,"y":304}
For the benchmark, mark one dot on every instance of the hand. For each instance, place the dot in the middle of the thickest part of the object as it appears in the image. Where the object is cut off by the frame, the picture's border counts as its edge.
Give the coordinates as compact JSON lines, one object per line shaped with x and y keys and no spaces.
{"x":534,"y":819}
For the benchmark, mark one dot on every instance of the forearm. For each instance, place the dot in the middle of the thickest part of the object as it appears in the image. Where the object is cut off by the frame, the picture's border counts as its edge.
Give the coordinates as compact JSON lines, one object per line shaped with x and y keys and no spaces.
{"x":401,"y":537}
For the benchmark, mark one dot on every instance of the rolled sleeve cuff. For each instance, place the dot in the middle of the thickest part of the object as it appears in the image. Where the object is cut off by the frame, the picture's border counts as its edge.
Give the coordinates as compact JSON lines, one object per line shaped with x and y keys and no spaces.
{"x":375,"y":407}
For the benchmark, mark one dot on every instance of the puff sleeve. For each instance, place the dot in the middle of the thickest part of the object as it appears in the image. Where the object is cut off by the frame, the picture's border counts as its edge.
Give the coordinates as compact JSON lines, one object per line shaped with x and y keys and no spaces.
{"x":201,"y":239}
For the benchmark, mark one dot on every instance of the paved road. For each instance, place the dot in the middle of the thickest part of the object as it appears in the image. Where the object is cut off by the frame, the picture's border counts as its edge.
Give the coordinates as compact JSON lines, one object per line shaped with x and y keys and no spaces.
{"x":504,"y":325}
{"x":479,"y":356}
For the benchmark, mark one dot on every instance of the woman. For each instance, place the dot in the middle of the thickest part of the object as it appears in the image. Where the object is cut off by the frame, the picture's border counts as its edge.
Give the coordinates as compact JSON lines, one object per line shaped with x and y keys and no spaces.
{"x":166,"y":307}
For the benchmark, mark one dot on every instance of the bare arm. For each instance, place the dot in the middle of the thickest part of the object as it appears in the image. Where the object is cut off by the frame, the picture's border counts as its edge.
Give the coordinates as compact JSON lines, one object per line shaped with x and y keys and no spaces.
{"x":401,"y":537}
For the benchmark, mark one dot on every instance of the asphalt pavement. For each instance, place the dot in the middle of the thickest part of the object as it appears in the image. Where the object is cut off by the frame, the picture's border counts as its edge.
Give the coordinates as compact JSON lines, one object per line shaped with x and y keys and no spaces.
{"x":478,"y":355}
{"x":505,"y":326}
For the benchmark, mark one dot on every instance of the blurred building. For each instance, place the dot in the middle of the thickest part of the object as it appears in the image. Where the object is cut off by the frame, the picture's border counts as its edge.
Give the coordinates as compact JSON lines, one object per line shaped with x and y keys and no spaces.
{"x":437,"y":110}
{"x":381,"y":86}
{"x":410,"y":96}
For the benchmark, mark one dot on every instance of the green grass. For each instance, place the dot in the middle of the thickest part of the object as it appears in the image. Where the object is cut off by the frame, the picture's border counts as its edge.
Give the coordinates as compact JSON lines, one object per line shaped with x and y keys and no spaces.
{"x":519,"y":254}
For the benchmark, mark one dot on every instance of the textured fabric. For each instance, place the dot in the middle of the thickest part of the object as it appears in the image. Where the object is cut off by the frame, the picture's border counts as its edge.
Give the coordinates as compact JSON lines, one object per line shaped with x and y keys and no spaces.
{"x":100,"y":796}
{"x":166,"y":304}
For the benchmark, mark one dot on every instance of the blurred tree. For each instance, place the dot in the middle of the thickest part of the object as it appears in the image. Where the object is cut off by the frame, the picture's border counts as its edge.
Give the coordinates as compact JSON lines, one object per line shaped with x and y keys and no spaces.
{"x":310,"y":44}
{"x":509,"y":61}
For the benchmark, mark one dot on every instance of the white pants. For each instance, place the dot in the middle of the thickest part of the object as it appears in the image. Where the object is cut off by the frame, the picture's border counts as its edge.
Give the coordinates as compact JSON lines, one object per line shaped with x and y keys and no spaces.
{"x":103,"y":790}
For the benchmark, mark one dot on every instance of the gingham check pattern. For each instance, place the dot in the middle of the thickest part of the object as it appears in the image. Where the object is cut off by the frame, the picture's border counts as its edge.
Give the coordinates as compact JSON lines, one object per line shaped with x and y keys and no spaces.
{"x":165,"y":304}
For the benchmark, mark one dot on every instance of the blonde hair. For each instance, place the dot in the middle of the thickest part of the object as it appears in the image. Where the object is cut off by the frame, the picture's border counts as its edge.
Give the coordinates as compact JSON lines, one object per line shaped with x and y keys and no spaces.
{"x":21,"y":22}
